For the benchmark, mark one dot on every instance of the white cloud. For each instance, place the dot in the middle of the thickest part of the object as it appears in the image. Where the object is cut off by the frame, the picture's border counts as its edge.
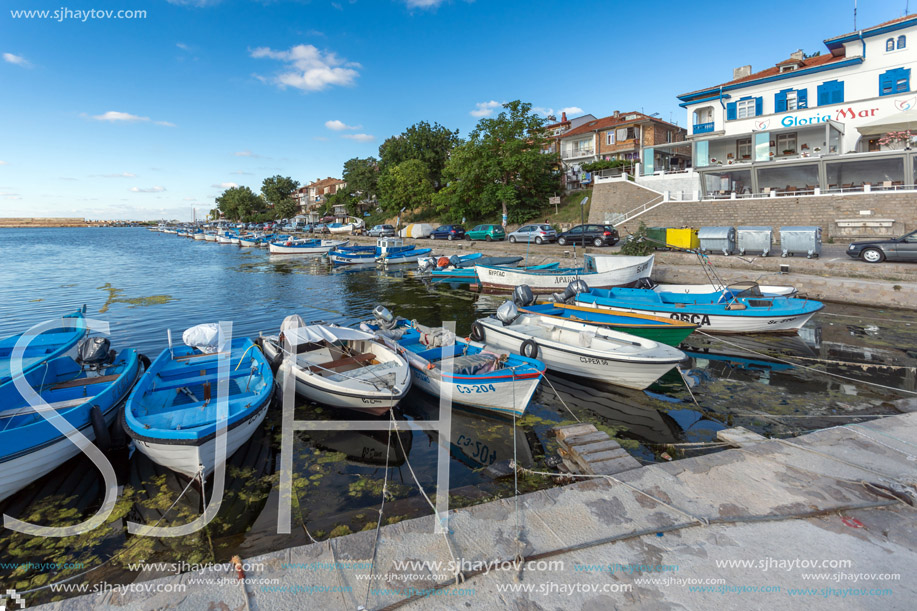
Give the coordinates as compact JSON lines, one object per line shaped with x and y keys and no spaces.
{"x":4,"y":162}
{"x":423,"y":3}
{"x":309,"y":69}
{"x":338,"y":126}
{"x":114,"y":116}
{"x":359,"y":137}
{"x":182,"y":46}
{"x":224,"y":185}
{"x":147,"y":189}
{"x":485,"y":109}
{"x":18,"y":60}
{"x":121,"y":175}
{"x":572,"y":110}
{"x":247,"y":154}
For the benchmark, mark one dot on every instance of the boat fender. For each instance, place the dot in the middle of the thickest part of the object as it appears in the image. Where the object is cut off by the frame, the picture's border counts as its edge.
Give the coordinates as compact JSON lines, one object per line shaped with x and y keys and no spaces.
{"x":103,"y":439}
{"x":477,"y":331}
{"x":529,"y":348}
{"x":144,"y":360}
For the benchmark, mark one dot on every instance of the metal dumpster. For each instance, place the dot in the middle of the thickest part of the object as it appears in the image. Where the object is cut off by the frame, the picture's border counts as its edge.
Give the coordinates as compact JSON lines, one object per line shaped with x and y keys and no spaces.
{"x":682,"y":238}
{"x":753,"y":240}
{"x":656,"y":236}
{"x":717,"y":239}
{"x":800,"y":240}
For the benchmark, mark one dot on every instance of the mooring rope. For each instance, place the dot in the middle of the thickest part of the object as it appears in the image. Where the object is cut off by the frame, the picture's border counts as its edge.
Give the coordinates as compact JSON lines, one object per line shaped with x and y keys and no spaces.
{"x":372,"y":560}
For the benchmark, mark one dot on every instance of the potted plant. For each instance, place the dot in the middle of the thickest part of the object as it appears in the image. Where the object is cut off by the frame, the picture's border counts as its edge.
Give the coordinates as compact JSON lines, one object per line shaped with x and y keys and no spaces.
{"x":746,"y":156}
{"x":788,"y":151}
{"x":817,"y":149}
{"x":805,"y":146}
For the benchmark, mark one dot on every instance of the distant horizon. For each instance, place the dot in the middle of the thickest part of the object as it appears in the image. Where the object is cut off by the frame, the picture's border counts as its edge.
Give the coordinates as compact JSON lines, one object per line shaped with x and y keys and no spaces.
{"x":145,"y":116}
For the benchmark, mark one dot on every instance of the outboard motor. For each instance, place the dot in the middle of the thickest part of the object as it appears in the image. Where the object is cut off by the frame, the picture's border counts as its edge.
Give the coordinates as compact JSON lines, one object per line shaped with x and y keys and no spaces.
{"x":645,"y":283}
{"x":523,"y":296}
{"x":426,"y":264}
{"x":455,"y":261}
{"x":385,"y":318}
{"x":573,"y":289}
{"x":507,"y":312}
{"x":95,"y":352}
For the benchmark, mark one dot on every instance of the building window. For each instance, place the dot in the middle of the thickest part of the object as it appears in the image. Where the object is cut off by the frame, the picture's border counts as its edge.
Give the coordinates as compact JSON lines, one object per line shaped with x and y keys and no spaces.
{"x":902,"y":41}
{"x":791,"y":100}
{"x":745,"y":109}
{"x":622,"y":133}
{"x":831,"y":92}
{"x":669,"y":135}
{"x":786,"y":144}
{"x":895,"y":81}
{"x":609,"y":138}
{"x":890,"y":44}
{"x":743,"y":149}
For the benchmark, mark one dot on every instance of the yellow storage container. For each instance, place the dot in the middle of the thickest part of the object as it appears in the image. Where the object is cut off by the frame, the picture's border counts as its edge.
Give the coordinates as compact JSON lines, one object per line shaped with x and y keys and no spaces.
{"x":682,"y":238}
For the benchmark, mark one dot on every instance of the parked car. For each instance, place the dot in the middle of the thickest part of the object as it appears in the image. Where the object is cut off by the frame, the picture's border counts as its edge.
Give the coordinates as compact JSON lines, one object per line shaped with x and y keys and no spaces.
{"x":486,"y":232}
{"x":448,"y":232}
{"x":320,"y":228}
{"x":893,"y":249}
{"x":381,"y":231}
{"x":597,"y":235}
{"x":533,"y":233}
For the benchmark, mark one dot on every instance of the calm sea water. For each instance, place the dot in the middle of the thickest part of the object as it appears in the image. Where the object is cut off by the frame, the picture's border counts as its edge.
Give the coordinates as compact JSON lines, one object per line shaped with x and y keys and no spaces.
{"x":144,"y":283}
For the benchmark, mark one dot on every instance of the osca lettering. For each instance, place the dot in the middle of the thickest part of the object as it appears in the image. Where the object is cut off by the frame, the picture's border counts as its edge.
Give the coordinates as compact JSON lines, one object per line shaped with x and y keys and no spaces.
{"x":696,"y":319}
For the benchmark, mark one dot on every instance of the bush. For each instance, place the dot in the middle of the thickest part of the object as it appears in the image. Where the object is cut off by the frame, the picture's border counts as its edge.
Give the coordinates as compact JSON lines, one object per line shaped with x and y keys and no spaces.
{"x":636,"y":243}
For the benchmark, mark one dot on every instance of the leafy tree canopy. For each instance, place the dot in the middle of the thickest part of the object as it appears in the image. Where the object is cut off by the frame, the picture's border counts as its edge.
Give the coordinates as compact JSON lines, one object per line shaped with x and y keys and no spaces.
{"x":430,"y":144}
{"x":500,"y":169}
{"x":240,"y":204}
{"x":278,"y":192}
{"x":362,"y":177}
{"x":406,"y":185}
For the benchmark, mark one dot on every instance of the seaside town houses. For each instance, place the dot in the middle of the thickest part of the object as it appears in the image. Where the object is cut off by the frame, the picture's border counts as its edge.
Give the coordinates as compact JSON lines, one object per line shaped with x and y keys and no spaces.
{"x":311,"y":197}
{"x":839,"y":120}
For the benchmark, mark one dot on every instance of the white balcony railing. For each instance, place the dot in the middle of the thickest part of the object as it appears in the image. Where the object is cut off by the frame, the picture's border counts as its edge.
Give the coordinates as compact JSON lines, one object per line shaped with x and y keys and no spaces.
{"x":575,"y":153}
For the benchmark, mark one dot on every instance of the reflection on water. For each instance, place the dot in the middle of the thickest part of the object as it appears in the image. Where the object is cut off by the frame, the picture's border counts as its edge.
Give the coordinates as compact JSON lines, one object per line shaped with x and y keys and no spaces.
{"x":338,"y":477}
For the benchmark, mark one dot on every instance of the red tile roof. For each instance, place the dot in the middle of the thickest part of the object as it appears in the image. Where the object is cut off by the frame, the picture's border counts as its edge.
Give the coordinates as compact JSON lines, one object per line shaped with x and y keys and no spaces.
{"x":612,"y":121}
{"x":818,"y":60}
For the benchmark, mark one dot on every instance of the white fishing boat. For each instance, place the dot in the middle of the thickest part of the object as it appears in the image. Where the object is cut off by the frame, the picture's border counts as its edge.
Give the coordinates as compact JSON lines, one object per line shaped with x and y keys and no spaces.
{"x":210,"y":237}
{"x":768,"y":290}
{"x":598,"y":271}
{"x":340,"y":367}
{"x":577,"y":348}
{"x":200,"y":235}
{"x":304,"y":247}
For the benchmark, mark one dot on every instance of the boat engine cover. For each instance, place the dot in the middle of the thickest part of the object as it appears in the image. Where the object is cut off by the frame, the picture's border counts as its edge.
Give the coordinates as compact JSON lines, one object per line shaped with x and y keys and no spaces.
{"x":205,"y":337}
{"x":575,"y":288}
{"x":385,"y":318}
{"x":94,"y":351}
{"x":523,"y":296}
{"x":507,"y":312}
{"x":426,"y":264}
{"x":455,"y":261}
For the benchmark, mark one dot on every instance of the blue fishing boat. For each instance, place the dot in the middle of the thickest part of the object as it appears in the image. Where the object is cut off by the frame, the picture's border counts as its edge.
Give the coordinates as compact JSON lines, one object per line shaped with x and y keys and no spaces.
{"x":728,"y":311}
{"x":499,"y":381}
{"x":44,"y":346}
{"x":356,"y":255}
{"x":86,"y":392}
{"x":172,"y":413}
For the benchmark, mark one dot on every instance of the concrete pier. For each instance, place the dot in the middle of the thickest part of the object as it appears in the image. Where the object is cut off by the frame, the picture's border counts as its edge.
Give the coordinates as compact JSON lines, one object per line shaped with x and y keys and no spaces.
{"x":821,"y":521}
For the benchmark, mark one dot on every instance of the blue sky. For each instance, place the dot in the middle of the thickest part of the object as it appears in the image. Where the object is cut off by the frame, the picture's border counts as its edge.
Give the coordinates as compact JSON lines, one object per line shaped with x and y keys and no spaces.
{"x":147,"y":118}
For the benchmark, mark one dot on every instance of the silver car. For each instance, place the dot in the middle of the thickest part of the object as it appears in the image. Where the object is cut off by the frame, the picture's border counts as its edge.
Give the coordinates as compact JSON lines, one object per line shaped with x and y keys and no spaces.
{"x":533,"y":233}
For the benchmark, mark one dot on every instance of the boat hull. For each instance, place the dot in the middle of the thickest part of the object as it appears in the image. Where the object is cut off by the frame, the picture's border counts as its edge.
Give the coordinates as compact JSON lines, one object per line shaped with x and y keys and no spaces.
{"x":505,"y":397}
{"x":410,"y":256}
{"x":554,"y":281}
{"x":305,"y":249}
{"x":186,"y":458}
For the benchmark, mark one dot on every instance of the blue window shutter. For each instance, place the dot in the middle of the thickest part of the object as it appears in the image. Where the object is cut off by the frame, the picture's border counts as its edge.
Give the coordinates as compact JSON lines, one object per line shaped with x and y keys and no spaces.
{"x":824,"y":94}
{"x":780,"y":101}
{"x":731,"y":111}
{"x":902,"y":41}
{"x":802,"y":98}
{"x":904,"y":73}
{"x":759,"y":106}
{"x":837,"y":96}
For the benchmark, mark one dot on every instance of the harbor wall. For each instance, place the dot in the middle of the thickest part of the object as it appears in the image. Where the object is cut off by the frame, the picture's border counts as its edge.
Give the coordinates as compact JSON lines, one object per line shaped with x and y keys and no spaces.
{"x":23,"y":222}
{"x":823,"y":210}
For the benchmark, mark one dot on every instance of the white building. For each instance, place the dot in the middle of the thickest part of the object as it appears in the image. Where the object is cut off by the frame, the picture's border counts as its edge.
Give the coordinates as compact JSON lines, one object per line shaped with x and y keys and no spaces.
{"x":834,"y":121}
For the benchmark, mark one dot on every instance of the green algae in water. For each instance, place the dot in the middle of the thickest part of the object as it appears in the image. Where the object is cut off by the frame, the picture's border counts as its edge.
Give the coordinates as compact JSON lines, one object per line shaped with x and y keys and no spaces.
{"x":114,"y":296}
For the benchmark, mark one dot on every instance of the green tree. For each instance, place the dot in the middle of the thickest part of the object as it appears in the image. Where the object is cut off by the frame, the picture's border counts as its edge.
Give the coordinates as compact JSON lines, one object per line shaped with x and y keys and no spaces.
{"x":362,"y":177}
{"x":278,"y":192}
{"x":406,"y":185}
{"x":431,"y":144}
{"x":240,"y":204}
{"x":500,"y":168}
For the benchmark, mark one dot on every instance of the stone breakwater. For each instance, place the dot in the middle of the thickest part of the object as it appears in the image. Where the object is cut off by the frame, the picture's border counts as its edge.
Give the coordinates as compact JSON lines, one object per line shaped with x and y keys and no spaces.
{"x":30,"y":222}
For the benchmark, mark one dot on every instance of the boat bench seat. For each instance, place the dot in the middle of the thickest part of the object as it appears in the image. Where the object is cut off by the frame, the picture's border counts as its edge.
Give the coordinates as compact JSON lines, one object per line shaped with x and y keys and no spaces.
{"x":368,"y":373}
{"x":198,"y":380}
{"x":357,"y":359}
{"x":440,"y":352}
{"x":190,"y":416}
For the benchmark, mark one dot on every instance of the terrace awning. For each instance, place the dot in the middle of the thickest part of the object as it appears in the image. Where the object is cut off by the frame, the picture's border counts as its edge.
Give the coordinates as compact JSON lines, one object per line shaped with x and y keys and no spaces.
{"x":900,"y":121}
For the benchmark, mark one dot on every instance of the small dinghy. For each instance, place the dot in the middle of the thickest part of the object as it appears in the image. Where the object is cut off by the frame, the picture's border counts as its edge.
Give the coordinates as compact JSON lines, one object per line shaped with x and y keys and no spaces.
{"x":445,"y":265}
{"x":341,"y":367}
{"x":494,"y":381}
{"x":358,"y":255}
{"x":741,"y":310}
{"x":172,"y":413}
{"x":656,"y":328}
{"x":599,"y":271}
{"x":469,"y":273}
{"x":768,"y":290}
{"x":44,"y":346}
{"x":578,"y":348}
{"x":304,"y":247}
{"x":86,"y":392}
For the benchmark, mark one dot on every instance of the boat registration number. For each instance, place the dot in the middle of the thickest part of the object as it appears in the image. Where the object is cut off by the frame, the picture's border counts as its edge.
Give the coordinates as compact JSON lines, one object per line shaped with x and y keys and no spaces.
{"x":592,"y":361}
{"x":478,"y":451}
{"x":475,"y":388}
{"x":698,"y":319}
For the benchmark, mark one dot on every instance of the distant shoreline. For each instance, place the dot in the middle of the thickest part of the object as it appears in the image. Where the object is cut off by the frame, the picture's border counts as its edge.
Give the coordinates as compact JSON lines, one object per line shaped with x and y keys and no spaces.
{"x":50,"y":223}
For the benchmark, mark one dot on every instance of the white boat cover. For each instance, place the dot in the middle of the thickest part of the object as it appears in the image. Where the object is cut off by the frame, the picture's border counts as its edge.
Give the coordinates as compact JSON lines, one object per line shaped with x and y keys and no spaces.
{"x":293,"y":321}
{"x":317,"y":333}
{"x":205,"y":337}
{"x":417,"y":230}
{"x":606,"y":263}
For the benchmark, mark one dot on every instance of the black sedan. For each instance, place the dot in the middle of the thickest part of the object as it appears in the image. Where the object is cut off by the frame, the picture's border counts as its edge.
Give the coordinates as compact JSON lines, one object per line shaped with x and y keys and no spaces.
{"x":448,"y":232}
{"x":893,"y":249}
{"x":596,"y":235}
